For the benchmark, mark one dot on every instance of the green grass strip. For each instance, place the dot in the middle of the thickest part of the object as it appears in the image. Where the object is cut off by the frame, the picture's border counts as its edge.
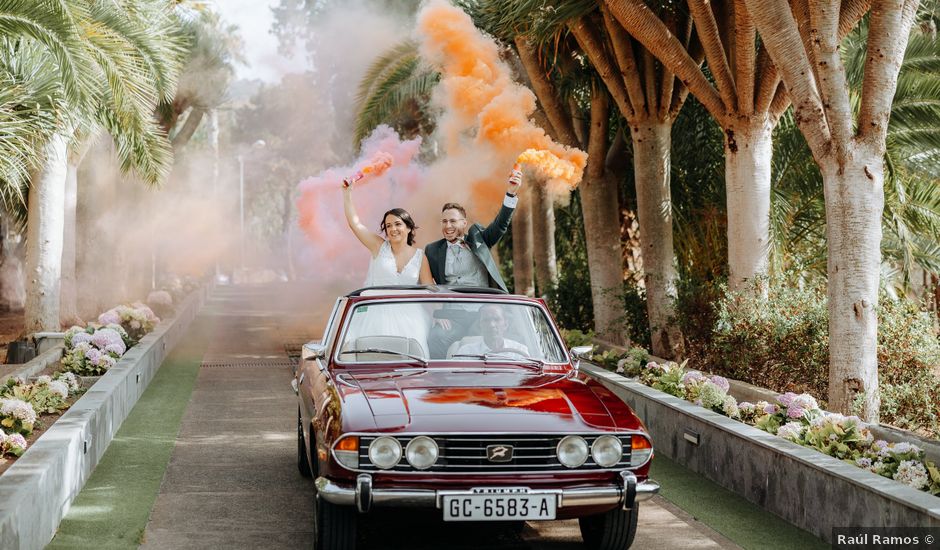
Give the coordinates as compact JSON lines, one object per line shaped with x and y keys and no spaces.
{"x":744,"y":523}
{"x":113,"y":509}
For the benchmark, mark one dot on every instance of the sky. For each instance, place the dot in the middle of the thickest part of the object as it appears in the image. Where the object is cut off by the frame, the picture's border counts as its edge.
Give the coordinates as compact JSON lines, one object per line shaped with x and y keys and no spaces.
{"x":254,"y":19}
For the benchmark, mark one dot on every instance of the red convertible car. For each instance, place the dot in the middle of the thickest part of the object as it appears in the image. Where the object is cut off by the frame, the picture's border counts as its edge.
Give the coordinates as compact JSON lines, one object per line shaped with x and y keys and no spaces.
{"x":464,"y":400}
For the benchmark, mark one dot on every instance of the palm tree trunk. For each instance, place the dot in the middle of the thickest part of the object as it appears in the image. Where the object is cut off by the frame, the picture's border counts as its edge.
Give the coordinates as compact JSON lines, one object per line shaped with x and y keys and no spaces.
{"x":854,"y":192}
{"x":601,"y":213}
{"x":748,"y":150}
{"x":651,"y":165}
{"x":44,"y":237}
{"x":600,"y":210}
{"x":522,"y":261}
{"x":68,"y":304}
{"x":543,"y":239}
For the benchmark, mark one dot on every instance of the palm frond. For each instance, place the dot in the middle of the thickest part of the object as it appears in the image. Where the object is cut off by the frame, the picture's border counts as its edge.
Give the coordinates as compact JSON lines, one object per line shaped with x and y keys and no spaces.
{"x":394,"y":81}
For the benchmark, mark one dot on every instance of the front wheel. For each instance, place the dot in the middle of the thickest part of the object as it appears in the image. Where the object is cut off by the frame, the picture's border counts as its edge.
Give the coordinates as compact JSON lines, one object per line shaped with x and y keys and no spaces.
{"x":613,"y":530}
{"x":334,"y":527}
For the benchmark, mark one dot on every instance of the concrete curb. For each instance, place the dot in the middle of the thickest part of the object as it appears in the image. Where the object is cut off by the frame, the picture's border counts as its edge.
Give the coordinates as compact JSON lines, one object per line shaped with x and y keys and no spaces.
{"x":36,"y":492}
{"x":801,"y":485}
{"x":36,"y":365}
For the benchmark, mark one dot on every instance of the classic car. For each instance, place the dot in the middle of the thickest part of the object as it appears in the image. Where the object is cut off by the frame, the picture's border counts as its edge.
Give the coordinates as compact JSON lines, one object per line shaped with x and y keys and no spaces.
{"x":499,"y":426}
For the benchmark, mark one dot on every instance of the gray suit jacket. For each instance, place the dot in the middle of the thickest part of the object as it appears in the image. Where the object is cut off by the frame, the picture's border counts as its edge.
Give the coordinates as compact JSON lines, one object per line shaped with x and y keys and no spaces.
{"x":480,"y":239}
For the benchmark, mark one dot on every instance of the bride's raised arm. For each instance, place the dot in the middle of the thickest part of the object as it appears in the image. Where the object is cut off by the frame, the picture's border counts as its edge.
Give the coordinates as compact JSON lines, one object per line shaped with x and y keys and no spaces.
{"x":369,"y":239}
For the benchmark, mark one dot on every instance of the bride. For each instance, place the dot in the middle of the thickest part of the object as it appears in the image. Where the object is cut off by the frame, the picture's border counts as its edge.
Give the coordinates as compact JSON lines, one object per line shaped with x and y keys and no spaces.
{"x":395,"y":261}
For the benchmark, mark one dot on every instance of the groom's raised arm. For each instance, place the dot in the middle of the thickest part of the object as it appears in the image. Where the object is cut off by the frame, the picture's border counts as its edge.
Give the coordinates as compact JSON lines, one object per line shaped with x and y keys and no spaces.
{"x":498,"y":227}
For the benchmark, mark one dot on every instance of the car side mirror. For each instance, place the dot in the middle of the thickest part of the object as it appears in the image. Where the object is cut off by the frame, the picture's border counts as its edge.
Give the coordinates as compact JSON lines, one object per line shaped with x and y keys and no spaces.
{"x":578,"y":353}
{"x":581,"y":352}
{"x":313,"y":350}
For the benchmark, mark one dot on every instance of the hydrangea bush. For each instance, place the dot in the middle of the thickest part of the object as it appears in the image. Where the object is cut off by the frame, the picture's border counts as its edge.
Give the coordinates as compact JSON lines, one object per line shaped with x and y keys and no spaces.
{"x":93,"y":350}
{"x":12,"y":444}
{"x":45,"y":395}
{"x":136,"y":319}
{"x":21,"y":402}
{"x":17,"y":416}
{"x":798,"y":418}
{"x":161,"y":302}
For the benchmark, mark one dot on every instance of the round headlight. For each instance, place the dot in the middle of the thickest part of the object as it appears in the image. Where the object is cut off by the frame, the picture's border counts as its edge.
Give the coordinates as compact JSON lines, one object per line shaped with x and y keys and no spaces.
{"x":572,"y":451}
{"x":385,"y":452}
{"x":607,"y":451}
{"x":421,"y":452}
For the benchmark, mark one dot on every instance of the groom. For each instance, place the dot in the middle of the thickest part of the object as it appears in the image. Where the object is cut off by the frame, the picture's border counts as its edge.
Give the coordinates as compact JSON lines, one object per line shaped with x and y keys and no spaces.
{"x":463,"y":258}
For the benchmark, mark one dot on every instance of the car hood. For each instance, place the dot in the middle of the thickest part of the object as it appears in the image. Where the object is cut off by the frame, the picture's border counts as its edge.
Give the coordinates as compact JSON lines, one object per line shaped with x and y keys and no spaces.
{"x":517,"y":401}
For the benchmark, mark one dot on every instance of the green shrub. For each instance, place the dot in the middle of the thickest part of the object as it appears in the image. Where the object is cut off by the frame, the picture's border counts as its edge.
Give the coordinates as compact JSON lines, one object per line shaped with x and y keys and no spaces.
{"x":781,"y":342}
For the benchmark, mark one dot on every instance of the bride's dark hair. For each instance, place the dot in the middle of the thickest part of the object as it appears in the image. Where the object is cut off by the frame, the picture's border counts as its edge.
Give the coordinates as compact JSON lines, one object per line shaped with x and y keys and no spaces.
{"x":405,"y":217}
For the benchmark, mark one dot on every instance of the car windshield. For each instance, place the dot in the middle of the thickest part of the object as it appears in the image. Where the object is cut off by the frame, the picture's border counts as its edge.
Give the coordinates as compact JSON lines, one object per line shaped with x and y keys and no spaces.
{"x":467,"y":331}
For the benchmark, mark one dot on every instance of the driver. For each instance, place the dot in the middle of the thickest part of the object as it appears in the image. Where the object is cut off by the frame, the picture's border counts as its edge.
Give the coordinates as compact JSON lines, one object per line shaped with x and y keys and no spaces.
{"x":493,"y":325}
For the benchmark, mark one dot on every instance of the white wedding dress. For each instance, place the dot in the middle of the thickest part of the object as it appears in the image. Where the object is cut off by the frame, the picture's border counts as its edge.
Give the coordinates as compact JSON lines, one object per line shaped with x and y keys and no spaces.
{"x":403,"y":320}
{"x":384,"y":271}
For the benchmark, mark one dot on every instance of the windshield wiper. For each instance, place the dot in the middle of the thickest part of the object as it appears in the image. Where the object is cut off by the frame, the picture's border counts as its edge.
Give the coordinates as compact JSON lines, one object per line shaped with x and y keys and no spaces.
{"x":417,"y":358}
{"x":528,"y":361}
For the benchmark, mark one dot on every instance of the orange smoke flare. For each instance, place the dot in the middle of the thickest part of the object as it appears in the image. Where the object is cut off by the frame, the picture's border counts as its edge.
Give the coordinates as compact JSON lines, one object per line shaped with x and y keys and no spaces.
{"x":376,"y":166}
{"x":481,"y":99}
{"x":549,"y":167}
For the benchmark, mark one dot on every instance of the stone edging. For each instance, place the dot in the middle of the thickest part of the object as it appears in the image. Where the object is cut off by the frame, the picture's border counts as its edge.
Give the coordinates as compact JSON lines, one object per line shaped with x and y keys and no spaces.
{"x":36,"y":364}
{"x":803,"y":486}
{"x":36,"y":492}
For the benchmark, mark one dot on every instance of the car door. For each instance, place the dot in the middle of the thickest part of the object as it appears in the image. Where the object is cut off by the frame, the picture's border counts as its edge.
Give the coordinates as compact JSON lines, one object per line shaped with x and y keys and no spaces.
{"x":313,"y":378}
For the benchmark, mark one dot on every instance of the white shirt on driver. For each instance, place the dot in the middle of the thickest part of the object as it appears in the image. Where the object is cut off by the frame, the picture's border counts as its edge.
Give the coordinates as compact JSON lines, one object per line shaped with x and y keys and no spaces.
{"x":480,"y":348}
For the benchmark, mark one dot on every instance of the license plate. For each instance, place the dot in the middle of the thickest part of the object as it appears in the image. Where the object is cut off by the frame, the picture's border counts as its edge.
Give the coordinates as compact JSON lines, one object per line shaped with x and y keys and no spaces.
{"x":499,"y":507}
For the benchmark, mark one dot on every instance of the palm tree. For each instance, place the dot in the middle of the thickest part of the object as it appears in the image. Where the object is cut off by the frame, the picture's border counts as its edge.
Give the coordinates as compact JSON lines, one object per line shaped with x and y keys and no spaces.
{"x":212,"y":48}
{"x":849,"y":150}
{"x":129,"y":55}
{"x":29,"y":93}
{"x":649,"y":97}
{"x":911,"y":218}
{"x":746,"y":100}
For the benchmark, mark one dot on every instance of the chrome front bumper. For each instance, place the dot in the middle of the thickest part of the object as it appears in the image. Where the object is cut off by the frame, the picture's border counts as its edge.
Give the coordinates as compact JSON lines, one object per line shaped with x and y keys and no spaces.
{"x":364,"y":496}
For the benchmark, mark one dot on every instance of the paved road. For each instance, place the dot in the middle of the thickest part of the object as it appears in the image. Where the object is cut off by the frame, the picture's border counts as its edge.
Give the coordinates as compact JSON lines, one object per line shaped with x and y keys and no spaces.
{"x":232,"y":481}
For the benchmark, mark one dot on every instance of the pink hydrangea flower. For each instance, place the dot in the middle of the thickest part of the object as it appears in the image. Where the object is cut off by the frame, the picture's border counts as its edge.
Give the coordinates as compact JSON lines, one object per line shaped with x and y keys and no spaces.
{"x":786,"y":398}
{"x":720,"y":381}
{"x":80,"y":338}
{"x":109,"y":317}
{"x":102,"y":338}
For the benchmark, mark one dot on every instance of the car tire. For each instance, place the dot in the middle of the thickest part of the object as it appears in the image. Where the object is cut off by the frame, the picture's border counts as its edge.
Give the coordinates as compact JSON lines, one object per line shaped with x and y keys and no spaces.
{"x":334,"y":527}
{"x":303,"y":464}
{"x":613,"y":530}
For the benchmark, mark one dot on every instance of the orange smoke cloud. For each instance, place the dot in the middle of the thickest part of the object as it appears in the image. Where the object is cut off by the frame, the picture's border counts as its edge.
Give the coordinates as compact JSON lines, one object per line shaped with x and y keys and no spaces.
{"x":479,"y":94}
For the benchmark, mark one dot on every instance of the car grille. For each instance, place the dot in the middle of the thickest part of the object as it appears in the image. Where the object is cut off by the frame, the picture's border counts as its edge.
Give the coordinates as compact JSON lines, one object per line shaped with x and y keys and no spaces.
{"x":467,"y":453}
